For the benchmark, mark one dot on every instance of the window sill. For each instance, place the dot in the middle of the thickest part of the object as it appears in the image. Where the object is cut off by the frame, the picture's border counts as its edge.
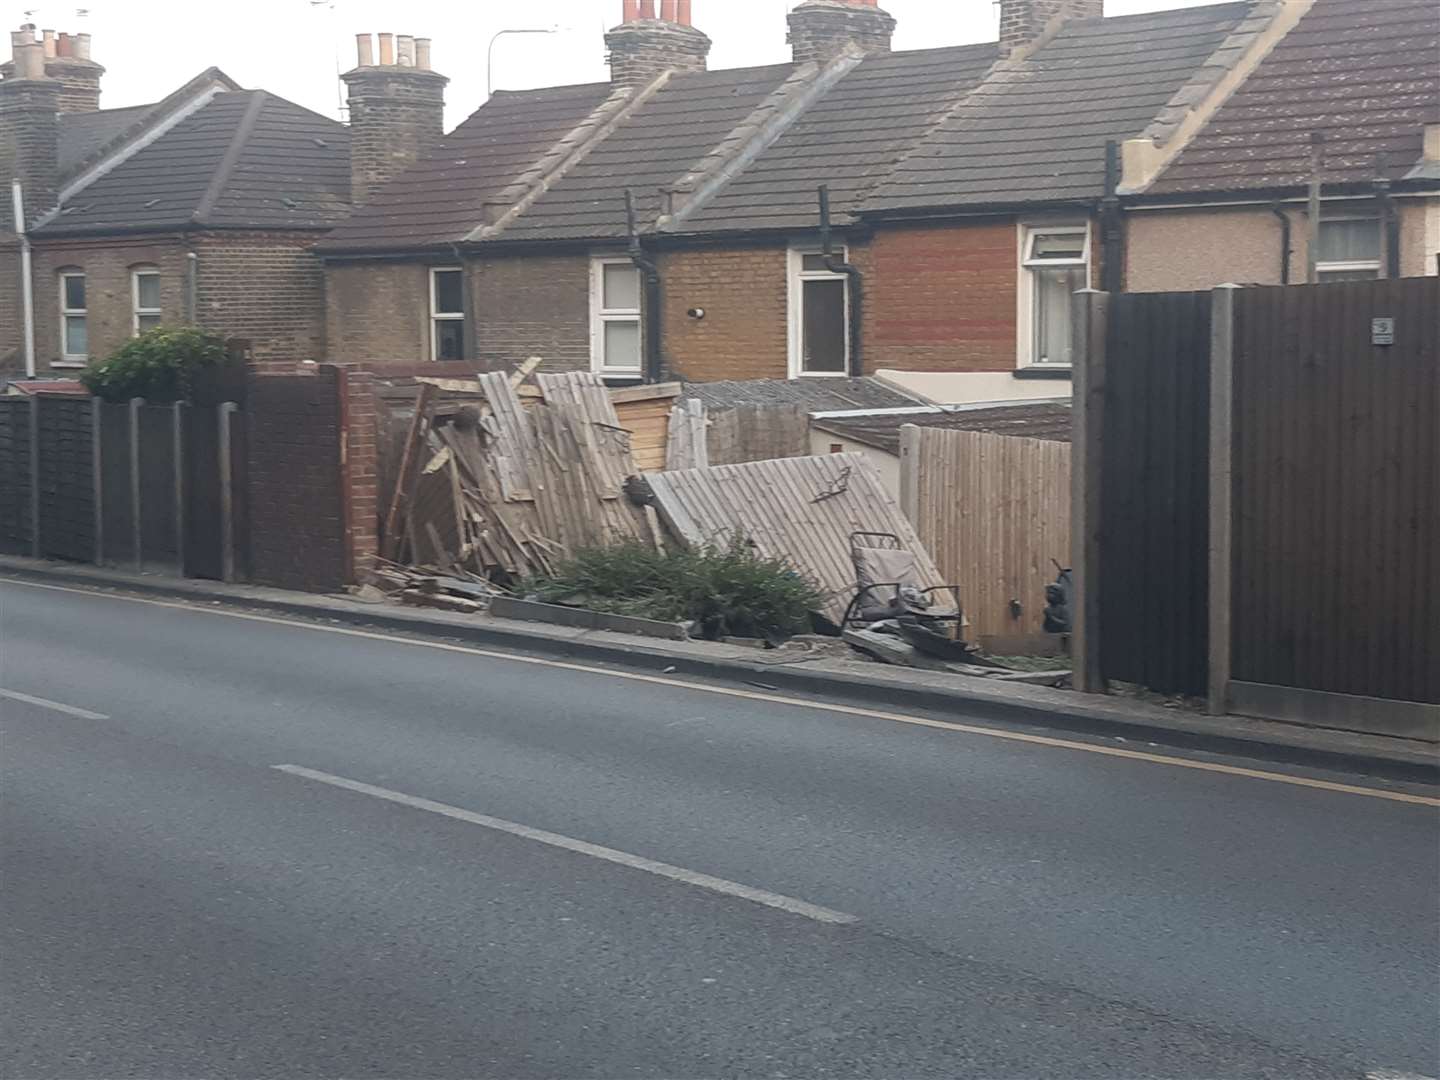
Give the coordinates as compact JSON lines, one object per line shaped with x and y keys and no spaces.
{"x":1058,"y":372}
{"x":70,"y":364}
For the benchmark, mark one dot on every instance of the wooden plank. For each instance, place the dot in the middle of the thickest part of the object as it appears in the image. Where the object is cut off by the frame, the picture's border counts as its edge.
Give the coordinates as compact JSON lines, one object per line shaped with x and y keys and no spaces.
{"x":654,"y":392}
{"x":405,"y":475}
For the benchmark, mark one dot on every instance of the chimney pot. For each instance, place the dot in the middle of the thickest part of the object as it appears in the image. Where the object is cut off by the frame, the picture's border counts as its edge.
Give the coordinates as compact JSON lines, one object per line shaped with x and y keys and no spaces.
{"x":64,"y":48}
{"x":47,"y":39}
{"x":647,"y":9}
{"x":405,"y":50}
{"x":82,"y":46}
{"x":387,"y":50}
{"x":422,"y":53}
{"x":364,"y":50}
{"x":667,"y":11}
{"x":682,"y":13}
{"x":30,"y":61}
{"x":630,"y":11}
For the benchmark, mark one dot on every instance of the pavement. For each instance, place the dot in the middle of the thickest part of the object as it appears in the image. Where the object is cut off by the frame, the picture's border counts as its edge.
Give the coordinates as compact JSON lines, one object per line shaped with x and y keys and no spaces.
{"x":486,"y":864}
{"x":1124,"y":720}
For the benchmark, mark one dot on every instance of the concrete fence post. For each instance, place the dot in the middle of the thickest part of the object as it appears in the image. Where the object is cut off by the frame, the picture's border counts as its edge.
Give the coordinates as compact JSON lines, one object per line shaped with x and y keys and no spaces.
{"x":35,"y":544}
{"x":1222,"y":494}
{"x":177,"y":450}
{"x":136,"y":530}
{"x":227,"y":495}
{"x":1090,"y":327}
{"x":97,"y":475}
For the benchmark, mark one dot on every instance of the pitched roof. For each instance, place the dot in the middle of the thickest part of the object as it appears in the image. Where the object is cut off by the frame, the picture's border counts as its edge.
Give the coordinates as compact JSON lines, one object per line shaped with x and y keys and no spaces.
{"x":1365,"y":75}
{"x":1046,"y":420}
{"x":83,"y":133}
{"x":812,"y":394}
{"x":442,"y":198}
{"x":849,"y":139}
{"x":1035,"y":130}
{"x":243,"y":159}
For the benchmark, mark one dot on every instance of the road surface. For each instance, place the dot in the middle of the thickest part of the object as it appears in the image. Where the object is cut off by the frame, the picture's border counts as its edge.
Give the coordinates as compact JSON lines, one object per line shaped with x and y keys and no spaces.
{"x":476,"y":865}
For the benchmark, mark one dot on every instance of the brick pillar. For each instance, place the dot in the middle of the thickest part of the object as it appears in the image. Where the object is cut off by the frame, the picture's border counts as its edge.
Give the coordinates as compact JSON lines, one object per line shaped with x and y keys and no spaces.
{"x":360,"y":434}
{"x":29,"y":143}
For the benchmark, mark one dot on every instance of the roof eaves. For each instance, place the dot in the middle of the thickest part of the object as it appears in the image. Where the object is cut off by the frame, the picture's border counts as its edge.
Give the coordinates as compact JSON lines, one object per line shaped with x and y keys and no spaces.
{"x":786,"y":104}
{"x":513,"y":200}
{"x":1145,"y":158}
{"x":221,"y":177}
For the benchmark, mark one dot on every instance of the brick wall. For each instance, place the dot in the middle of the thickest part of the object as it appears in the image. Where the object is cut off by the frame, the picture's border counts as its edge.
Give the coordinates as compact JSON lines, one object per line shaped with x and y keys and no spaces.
{"x":744,"y":331}
{"x":294,"y":465}
{"x":532,"y":306}
{"x":12,"y":331}
{"x":377,"y":311}
{"x":107,"y":263}
{"x":264,"y":287}
{"x":940,"y":298}
{"x":361,"y":472}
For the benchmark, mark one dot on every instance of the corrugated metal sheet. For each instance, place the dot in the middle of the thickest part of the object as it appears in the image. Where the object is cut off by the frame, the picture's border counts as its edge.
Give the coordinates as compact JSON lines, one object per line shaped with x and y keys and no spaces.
{"x":800,"y":509}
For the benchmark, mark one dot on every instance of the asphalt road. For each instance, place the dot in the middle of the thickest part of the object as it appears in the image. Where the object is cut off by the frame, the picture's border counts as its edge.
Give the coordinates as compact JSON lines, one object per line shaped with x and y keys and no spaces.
{"x":778,"y":891}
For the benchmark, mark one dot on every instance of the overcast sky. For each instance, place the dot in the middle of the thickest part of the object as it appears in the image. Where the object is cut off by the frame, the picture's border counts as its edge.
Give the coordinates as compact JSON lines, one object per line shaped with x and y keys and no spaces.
{"x":292,"y":47}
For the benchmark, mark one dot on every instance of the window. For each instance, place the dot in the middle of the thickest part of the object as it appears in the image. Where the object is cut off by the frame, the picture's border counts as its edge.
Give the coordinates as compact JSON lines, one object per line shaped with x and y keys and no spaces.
{"x":615,"y":336}
{"x":819,"y":316}
{"x":74,"y":331}
{"x":447,"y":313}
{"x":1055,"y":264}
{"x":1349,"y":249}
{"x":145,"y":298}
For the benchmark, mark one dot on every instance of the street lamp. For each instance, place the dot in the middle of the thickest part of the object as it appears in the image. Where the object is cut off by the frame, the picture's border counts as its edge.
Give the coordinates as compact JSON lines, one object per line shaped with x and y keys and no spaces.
{"x":490,"y":52}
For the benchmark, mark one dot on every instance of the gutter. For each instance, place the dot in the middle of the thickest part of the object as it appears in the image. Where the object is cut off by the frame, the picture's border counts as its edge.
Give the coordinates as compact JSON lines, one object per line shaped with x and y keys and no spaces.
{"x":856,"y":293}
{"x":27,"y":282}
{"x":653,"y":362}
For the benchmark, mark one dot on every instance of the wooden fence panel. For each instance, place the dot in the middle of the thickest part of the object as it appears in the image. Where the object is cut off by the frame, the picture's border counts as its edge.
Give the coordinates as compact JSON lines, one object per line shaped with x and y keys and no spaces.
{"x":993,"y":511}
{"x":758,"y":433}
{"x":16,"y":537}
{"x":1336,"y":534}
{"x":66,"y":477}
{"x":1154,"y":500}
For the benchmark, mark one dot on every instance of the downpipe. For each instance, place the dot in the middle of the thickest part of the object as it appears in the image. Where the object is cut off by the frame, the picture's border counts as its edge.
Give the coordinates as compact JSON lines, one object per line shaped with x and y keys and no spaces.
{"x":27,"y":281}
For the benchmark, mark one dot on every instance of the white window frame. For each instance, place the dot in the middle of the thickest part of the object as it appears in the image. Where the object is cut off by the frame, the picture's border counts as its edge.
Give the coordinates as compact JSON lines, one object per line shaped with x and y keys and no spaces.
{"x":437,"y":317}
{"x":1353,"y":265}
{"x":796,"y":277}
{"x":600,"y":315}
{"x":1028,"y":281}
{"x":136,"y":311}
{"x":68,"y":359}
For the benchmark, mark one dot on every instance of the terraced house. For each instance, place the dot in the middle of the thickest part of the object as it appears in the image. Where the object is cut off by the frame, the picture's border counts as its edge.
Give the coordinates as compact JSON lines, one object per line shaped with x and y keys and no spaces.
{"x":201,"y":208}
{"x":971,"y":189}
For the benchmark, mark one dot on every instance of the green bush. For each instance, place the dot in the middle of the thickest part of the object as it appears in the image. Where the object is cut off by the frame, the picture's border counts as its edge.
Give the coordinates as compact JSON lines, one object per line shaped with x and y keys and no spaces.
{"x":725,"y":588}
{"x":156,"y":366}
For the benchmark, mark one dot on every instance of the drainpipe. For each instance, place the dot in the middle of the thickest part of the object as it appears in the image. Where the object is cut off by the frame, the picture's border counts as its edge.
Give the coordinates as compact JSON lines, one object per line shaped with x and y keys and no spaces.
{"x":192,"y":288}
{"x":857,"y":284}
{"x":1287,"y":247}
{"x":27,"y":281}
{"x":653,"y":357}
{"x":1389,"y":221}
{"x":1112,"y":252}
{"x":1312,"y":240}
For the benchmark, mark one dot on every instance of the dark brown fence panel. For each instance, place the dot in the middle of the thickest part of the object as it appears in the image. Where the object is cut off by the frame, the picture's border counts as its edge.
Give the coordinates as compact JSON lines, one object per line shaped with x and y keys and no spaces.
{"x":157,"y":486}
{"x":15,"y":522}
{"x":1337,"y":489}
{"x":203,"y":515}
{"x":1154,"y":504}
{"x":66,"y":478}
{"x":297,"y":523}
{"x":117,"y":519}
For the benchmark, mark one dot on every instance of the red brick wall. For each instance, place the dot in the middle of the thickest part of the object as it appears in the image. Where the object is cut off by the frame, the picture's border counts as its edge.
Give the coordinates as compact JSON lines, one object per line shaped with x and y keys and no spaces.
{"x":361,"y":477}
{"x":744,"y":332}
{"x":265,"y":287}
{"x":940,"y":298}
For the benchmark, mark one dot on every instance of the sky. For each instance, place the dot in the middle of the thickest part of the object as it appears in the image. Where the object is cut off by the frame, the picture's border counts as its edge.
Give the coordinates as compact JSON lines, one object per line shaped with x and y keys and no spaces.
{"x":293,"y":47}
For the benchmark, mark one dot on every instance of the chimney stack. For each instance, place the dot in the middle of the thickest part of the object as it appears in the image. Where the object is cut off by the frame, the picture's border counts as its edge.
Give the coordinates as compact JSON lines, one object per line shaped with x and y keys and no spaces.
{"x":397,"y":110}
{"x":647,"y":42}
{"x":1026,"y":22}
{"x":821,"y":30}
{"x":66,"y":59}
{"x":29,"y":127}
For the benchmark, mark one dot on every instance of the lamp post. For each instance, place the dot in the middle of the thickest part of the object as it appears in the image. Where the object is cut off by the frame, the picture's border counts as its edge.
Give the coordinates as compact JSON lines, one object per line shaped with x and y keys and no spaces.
{"x":490,"y":52}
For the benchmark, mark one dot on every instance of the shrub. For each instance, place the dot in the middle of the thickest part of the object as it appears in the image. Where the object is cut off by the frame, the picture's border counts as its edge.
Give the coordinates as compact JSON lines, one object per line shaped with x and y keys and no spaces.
{"x":156,"y":366}
{"x":725,"y":588}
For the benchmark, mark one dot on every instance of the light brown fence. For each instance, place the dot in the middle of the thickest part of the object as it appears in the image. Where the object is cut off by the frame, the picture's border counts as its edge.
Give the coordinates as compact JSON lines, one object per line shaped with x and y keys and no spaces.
{"x":993,"y":511}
